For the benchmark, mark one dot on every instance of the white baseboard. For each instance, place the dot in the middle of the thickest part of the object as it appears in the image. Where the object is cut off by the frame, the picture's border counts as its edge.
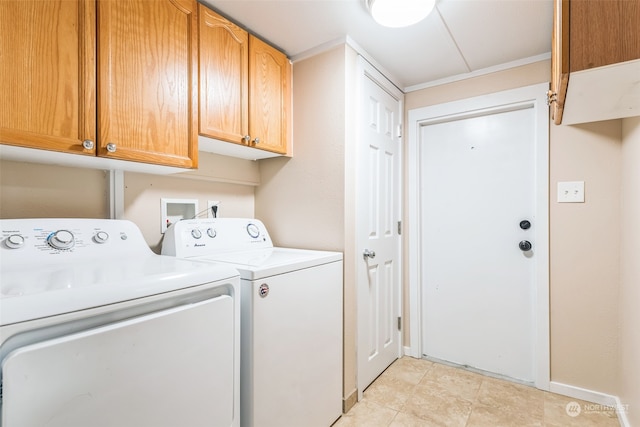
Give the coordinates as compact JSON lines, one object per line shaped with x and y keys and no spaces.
{"x":349,"y":401}
{"x":592,"y":396}
{"x":406,"y":351}
{"x":622,"y":413}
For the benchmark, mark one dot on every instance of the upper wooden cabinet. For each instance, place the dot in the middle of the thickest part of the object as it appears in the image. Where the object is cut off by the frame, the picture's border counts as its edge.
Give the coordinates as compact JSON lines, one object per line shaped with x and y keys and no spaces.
{"x":224,"y":78}
{"x":132,"y":98}
{"x":245,"y":87}
{"x":48,"y":74}
{"x":269,"y":96}
{"x":590,"y":38}
{"x":148,"y":81}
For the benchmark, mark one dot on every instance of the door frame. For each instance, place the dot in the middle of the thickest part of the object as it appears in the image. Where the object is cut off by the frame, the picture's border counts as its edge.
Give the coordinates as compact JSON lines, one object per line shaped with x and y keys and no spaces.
{"x":365,"y":70}
{"x":534,"y":97}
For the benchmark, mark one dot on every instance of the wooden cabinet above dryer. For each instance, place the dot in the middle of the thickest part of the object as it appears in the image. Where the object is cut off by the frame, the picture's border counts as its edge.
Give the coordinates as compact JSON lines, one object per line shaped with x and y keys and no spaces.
{"x":595,"y":60}
{"x":245,"y":91}
{"x":110,"y":79}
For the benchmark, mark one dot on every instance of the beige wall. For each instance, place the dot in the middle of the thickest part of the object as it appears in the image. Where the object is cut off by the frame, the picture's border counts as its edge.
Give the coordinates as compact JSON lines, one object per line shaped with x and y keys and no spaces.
{"x":630,"y":271}
{"x":308,"y":201}
{"x":143,"y":193}
{"x":585,"y":256}
{"x":538,"y":72}
{"x":39,"y":191}
{"x":29,"y":190}
{"x":230,"y":181}
{"x":301,"y":199}
{"x":585,"y":242}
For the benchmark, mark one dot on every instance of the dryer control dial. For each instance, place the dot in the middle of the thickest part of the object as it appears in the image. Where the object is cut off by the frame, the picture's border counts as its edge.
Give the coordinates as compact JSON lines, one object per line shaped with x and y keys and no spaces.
{"x":211,"y":232}
{"x":15,"y":241}
{"x":196,"y":234}
{"x":101,"y":237}
{"x":253,"y":230}
{"x":61,"y":239}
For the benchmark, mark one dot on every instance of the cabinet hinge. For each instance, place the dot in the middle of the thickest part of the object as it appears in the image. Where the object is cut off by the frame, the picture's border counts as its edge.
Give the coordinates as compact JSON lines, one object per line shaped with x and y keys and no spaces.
{"x":399,"y":323}
{"x":399,"y":227}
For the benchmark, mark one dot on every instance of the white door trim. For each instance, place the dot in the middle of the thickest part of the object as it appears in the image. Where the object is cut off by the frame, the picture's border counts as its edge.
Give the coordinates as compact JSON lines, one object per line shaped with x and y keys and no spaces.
{"x":530,"y":97}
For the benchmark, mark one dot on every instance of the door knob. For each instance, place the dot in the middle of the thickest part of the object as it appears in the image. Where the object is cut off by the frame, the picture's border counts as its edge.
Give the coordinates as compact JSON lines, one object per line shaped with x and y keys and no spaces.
{"x":525,"y":245}
{"x":525,"y":225}
{"x":369,"y":254}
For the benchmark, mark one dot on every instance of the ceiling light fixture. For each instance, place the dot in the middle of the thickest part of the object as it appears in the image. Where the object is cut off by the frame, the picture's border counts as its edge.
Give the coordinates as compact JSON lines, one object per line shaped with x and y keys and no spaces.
{"x":399,"y":13}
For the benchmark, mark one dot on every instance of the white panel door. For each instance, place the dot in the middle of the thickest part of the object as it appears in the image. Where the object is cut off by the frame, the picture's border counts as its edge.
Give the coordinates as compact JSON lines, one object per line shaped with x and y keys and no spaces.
{"x":378,"y":213}
{"x":171,"y":368}
{"x":477,"y":186}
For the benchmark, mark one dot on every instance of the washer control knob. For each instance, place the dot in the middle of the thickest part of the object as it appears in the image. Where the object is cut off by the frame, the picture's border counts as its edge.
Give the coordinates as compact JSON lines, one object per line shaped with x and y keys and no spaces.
{"x":101,"y":237}
{"x":253,"y":230}
{"x":61,"y":239}
{"x":15,"y":241}
{"x":196,"y":234}
{"x":211,"y":232}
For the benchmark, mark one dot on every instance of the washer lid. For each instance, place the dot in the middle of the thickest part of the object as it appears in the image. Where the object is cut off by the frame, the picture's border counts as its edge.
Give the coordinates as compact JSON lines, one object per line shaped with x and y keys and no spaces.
{"x":52,"y":289}
{"x":261,"y":263}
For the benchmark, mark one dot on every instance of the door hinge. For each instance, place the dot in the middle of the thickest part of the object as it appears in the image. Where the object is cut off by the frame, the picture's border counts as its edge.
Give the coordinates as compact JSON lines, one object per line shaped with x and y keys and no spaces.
{"x":399,"y":323}
{"x":399,"y":131}
{"x":399,"y":227}
{"x":551,"y":97}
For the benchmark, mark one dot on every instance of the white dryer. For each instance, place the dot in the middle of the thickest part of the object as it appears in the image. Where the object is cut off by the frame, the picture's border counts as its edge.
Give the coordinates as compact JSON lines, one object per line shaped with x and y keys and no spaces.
{"x":97,"y":330}
{"x":291,"y":327}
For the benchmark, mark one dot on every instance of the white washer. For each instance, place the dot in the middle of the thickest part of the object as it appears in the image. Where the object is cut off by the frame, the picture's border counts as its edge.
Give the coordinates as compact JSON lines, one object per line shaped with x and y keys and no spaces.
{"x":291,"y":328}
{"x":97,"y":330}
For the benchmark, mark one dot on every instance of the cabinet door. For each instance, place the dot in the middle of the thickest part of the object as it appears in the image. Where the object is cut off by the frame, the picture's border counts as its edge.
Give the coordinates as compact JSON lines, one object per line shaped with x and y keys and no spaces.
{"x":603,"y":32}
{"x":224,"y":87}
{"x":559,"y":59}
{"x":147,"y":81}
{"x":269,"y":97}
{"x":47,"y":74}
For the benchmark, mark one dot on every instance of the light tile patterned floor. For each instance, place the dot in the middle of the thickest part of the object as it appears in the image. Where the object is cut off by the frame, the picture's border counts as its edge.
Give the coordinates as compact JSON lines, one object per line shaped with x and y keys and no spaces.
{"x":419,"y":393}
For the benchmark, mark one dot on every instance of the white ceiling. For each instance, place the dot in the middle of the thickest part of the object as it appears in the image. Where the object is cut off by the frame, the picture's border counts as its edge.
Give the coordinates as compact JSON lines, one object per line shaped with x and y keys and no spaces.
{"x":458,"y":38}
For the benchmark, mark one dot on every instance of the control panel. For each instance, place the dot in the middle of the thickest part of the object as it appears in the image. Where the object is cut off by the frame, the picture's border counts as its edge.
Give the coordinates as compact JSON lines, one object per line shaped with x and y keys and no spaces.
{"x":206,"y":236}
{"x":28,"y":241}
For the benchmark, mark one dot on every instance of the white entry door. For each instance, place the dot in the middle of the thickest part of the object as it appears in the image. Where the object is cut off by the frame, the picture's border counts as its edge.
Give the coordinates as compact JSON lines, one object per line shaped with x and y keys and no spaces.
{"x":482,"y":225}
{"x":477,"y":186}
{"x":378,"y":213}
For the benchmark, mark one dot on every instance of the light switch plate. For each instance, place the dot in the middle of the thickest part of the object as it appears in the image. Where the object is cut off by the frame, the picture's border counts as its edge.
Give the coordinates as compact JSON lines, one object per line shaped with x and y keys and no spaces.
{"x":571,"y":192}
